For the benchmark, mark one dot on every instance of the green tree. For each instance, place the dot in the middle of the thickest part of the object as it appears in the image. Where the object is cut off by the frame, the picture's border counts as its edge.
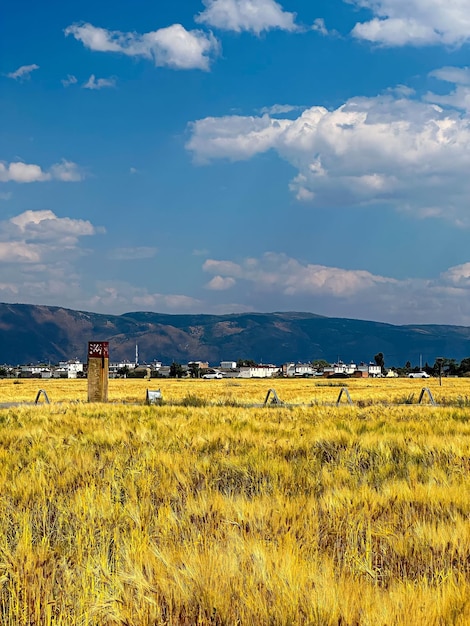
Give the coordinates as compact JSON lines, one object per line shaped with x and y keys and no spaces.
{"x":380,"y":361}
{"x":246,"y":363}
{"x":194,"y":370}
{"x":320,"y":364}
{"x":176,"y":370}
{"x":123,"y":371}
{"x":464,"y":367}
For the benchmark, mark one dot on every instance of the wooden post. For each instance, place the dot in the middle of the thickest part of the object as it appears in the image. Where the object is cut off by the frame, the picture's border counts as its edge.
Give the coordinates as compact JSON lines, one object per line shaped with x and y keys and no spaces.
{"x":98,"y":371}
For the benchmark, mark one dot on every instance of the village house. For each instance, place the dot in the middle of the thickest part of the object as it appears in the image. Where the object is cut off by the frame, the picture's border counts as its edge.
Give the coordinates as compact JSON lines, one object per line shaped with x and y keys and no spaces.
{"x":297,"y":369}
{"x":259,"y":371}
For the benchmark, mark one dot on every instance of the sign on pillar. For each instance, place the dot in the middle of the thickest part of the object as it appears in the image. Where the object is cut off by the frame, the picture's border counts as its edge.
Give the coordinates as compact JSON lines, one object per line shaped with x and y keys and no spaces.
{"x":98,"y":371}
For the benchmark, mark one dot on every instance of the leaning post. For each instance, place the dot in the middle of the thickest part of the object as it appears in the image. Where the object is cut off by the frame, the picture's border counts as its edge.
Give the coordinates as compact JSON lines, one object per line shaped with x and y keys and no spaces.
{"x":98,"y":371}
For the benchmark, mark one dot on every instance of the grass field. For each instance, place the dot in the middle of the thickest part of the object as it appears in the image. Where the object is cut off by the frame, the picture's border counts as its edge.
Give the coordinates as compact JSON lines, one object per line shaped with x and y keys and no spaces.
{"x":124,"y":514}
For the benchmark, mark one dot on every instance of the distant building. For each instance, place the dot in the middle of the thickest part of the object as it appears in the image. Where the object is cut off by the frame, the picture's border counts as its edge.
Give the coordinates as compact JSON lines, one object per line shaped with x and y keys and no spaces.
{"x":259,"y":371}
{"x":297,"y":369}
{"x":228,"y":365}
{"x":69,"y":369}
{"x":34,"y":371}
{"x":116,"y":368}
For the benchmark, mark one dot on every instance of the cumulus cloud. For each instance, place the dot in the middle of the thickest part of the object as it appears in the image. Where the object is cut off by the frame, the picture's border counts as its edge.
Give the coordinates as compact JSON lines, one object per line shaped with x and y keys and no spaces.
{"x":389,"y":149}
{"x":67,"y":172}
{"x":23,"y":72}
{"x":45,"y":226}
{"x":99,"y":83}
{"x":19,"y":172}
{"x":414,"y":22}
{"x":22,"y":173}
{"x":457,"y":75}
{"x":286,"y":275}
{"x":459,"y":98}
{"x":279,"y":282}
{"x":173,"y":47}
{"x":221,"y":283}
{"x":234,"y":137}
{"x":246,"y":15}
{"x":458,"y":276}
{"x":38,"y":253}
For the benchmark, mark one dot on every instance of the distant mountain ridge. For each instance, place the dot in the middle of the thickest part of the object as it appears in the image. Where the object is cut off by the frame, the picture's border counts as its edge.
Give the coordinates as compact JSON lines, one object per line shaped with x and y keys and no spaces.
{"x":32,"y":333}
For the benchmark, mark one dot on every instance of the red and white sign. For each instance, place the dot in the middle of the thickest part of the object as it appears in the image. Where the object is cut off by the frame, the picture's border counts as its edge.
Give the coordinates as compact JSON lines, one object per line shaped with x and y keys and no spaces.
{"x":98,"y":349}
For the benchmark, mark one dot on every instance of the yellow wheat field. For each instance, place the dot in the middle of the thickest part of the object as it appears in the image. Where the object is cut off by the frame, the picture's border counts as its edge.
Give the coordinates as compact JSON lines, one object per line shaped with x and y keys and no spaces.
{"x":232,"y":391}
{"x":134,"y":515}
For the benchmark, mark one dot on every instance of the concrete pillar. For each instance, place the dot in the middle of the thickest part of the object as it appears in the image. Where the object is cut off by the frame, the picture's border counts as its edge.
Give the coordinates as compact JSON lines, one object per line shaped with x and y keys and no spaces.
{"x":98,"y":371}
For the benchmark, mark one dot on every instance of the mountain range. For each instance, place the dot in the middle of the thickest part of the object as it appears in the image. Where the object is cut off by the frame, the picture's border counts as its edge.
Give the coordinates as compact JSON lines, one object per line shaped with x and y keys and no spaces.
{"x":32,"y":333}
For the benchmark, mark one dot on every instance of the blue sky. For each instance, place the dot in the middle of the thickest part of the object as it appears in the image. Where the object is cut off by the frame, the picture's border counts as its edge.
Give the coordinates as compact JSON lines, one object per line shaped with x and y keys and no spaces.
{"x":219,"y":156}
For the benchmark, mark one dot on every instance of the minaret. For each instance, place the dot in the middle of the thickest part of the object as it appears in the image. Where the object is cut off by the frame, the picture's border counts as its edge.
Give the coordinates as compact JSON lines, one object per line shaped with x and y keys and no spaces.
{"x":136,"y":355}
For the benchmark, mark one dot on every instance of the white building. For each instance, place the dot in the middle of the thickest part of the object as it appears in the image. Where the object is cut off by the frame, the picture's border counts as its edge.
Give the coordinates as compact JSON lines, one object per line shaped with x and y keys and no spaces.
{"x":297,"y":369}
{"x":228,"y":365}
{"x":69,"y":369}
{"x":259,"y":371}
{"x":35,"y":371}
{"x":375,"y":370}
{"x":115,"y":367}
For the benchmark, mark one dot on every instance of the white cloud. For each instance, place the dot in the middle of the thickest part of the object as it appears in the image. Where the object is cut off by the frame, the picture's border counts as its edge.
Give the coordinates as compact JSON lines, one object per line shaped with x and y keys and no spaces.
{"x":279,"y":282}
{"x":415,"y":22}
{"x":458,"y":276}
{"x":67,"y":172}
{"x":401,"y":91}
{"x":220,"y":283}
{"x":99,"y":83}
{"x":70,"y":80}
{"x":23,"y":72}
{"x":229,"y":268}
{"x":45,"y":226}
{"x":409,"y":154}
{"x":234,"y":137}
{"x":320,"y":26}
{"x":459,"y":98}
{"x":19,"y":172}
{"x":457,"y":75}
{"x":39,"y":252}
{"x":246,"y":15}
{"x":173,"y":47}
{"x":19,"y":252}
{"x":286,"y":275}
{"x":22,"y":173}
{"x":122,"y":296}
{"x":279,"y":109}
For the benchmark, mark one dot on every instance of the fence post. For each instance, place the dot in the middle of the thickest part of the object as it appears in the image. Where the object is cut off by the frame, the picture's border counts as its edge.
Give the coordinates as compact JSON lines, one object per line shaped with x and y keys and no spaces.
{"x":274,"y":399}
{"x":38,"y":395}
{"x":346,"y":392}
{"x":425,"y":390}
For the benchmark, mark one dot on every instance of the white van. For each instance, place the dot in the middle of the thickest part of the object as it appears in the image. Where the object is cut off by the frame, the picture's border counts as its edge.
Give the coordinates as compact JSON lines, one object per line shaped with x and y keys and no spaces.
{"x":418,"y":375}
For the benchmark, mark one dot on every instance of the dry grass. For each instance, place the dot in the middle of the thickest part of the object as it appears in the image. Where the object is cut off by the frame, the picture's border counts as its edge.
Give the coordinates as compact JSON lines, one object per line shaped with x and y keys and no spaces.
{"x":123,"y":514}
{"x":454,"y":391}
